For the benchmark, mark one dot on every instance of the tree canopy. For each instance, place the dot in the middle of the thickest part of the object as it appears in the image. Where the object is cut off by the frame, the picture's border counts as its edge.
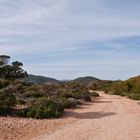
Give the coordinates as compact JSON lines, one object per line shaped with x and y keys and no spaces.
{"x":4,"y":59}
{"x":11,"y":71}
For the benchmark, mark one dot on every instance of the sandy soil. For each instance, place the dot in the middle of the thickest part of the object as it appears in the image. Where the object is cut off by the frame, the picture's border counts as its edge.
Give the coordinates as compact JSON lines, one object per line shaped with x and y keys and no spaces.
{"x":25,"y":129}
{"x":108,"y":118}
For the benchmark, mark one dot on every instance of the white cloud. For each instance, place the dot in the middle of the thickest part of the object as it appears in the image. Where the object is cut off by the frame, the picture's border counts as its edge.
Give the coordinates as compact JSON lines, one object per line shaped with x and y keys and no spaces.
{"x":30,"y":27}
{"x":61,"y":24}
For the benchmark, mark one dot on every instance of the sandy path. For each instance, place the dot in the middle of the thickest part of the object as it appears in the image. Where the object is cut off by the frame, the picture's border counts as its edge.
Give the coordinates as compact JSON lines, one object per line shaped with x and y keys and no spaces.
{"x":108,"y":118}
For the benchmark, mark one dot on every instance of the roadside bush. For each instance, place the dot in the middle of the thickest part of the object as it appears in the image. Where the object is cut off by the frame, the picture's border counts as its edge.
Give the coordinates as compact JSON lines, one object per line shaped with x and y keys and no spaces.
{"x":94,"y":94}
{"x":129,"y":88}
{"x":22,"y":112}
{"x":76,"y":94}
{"x":69,"y":103}
{"x":46,"y":109}
{"x":74,"y":101}
{"x":116,"y":92}
{"x":86,"y":97}
{"x":134,"y":96}
{"x":7,"y":100}
{"x":121,"y":93}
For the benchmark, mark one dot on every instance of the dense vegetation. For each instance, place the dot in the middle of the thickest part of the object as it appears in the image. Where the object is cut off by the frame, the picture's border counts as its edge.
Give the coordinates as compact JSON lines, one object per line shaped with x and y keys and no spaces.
{"x":45,"y":100}
{"x":129,"y":88}
{"x":7,"y":101}
{"x":46,"y":108}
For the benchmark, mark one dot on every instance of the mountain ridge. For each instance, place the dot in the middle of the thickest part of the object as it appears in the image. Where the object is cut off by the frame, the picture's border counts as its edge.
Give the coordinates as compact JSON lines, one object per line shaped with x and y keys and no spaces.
{"x":37,"y":79}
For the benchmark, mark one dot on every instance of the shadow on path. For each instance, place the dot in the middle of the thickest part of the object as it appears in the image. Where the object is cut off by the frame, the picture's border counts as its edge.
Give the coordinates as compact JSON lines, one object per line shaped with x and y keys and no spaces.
{"x":89,"y":115}
{"x":98,"y":101}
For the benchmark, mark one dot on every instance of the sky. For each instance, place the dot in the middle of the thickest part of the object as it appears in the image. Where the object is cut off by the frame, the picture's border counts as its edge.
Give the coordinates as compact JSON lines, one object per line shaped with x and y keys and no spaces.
{"x":65,"y":39}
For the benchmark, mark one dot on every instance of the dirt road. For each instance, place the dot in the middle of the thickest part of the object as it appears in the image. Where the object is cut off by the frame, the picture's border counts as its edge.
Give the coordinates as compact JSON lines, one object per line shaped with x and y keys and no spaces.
{"x":108,"y":118}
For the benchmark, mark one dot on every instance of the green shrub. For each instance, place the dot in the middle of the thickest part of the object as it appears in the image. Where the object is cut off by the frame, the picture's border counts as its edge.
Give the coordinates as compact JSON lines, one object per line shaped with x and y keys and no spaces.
{"x":46,"y":109}
{"x":69,"y":103}
{"x":20,"y":101}
{"x":34,"y":87}
{"x":94,"y":94}
{"x":121,"y":93}
{"x":7,"y":100}
{"x":76,"y":94}
{"x":86,"y":97}
{"x":134,"y":96}
{"x":74,"y":101}
{"x":129,"y":88}
{"x":4,"y":83}
{"x":66,"y":94}
{"x":83,"y":95}
{"x":34,"y":94}
{"x":115,"y":92}
{"x":22,"y":112}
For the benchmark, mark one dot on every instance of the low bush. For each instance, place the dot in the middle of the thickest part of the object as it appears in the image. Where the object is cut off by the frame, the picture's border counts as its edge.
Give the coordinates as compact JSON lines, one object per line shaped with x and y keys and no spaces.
{"x":46,"y":109}
{"x":86,"y":97}
{"x":94,"y":94}
{"x":7,"y":100}
{"x":69,"y":103}
{"x":22,"y":112}
{"x":66,"y":94}
{"x":118,"y":93}
{"x":4,"y":83}
{"x":33,"y":94}
{"x":33,"y":87}
{"x":134,"y":96}
{"x":74,"y":101}
{"x":76,"y":95}
{"x":20,"y":101}
{"x":129,"y":88}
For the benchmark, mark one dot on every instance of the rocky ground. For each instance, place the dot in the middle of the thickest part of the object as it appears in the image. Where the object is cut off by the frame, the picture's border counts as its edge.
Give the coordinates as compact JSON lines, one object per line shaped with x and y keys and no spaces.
{"x":12,"y":128}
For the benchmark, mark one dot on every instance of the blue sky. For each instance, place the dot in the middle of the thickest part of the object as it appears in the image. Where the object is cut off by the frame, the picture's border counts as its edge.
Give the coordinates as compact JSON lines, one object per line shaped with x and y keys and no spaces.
{"x":65,"y":39}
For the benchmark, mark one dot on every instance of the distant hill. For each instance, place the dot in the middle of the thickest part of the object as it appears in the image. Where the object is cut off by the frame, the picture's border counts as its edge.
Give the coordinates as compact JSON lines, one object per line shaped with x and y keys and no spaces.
{"x":40,"y":79}
{"x":86,"y":80}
